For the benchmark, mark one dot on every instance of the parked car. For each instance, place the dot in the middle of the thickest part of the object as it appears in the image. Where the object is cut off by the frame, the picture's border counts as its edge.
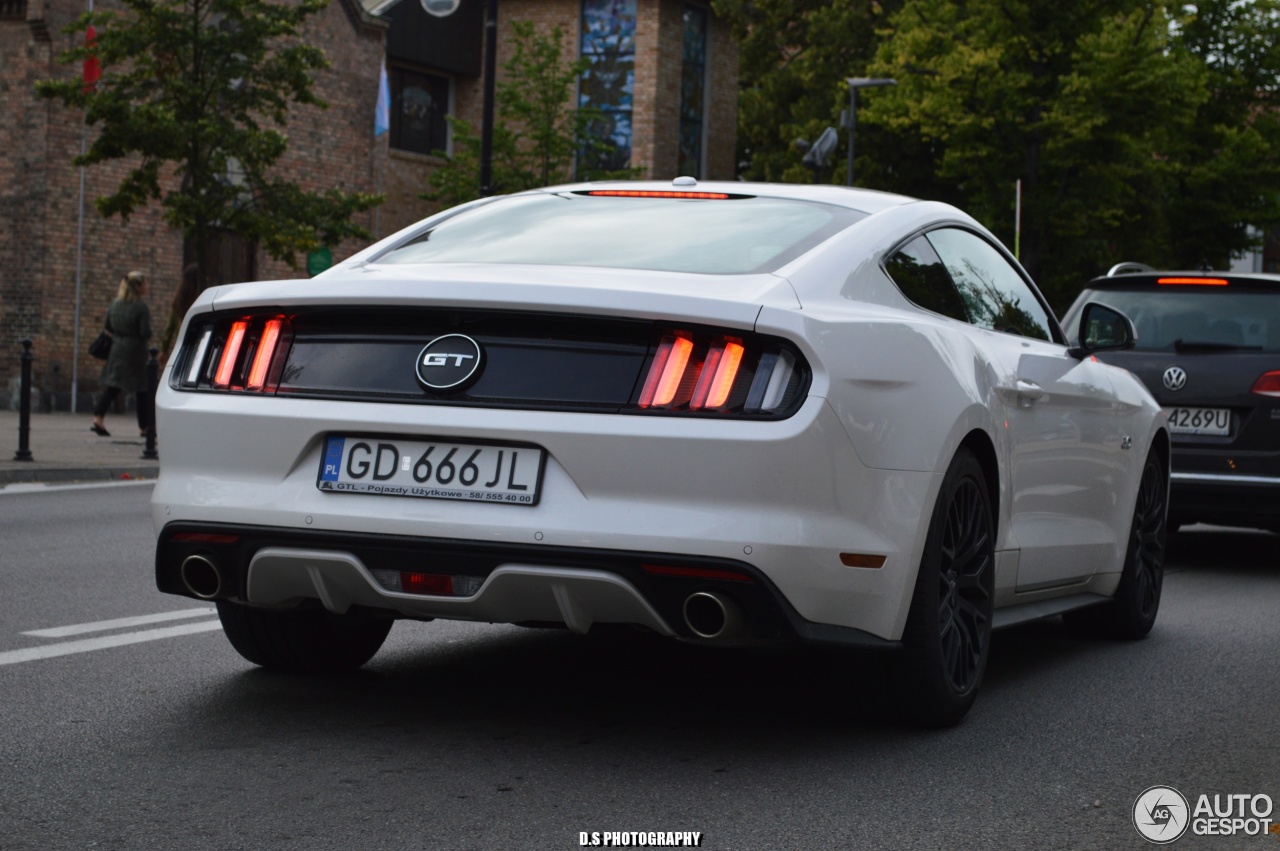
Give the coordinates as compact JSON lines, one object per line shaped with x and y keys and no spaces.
{"x":730,"y":413}
{"x":1208,"y":349}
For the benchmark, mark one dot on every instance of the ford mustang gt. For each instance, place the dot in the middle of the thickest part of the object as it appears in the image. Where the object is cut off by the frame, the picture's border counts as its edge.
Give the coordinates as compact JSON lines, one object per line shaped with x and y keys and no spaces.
{"x":728,"y":413}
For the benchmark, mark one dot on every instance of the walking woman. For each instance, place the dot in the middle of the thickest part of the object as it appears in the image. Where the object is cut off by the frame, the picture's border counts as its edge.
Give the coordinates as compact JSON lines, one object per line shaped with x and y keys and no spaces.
{"x":129,"y":324}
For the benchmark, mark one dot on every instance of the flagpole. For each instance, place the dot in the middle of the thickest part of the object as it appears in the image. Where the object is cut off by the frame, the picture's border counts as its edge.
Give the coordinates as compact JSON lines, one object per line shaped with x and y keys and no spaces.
{"x":75,"y":344}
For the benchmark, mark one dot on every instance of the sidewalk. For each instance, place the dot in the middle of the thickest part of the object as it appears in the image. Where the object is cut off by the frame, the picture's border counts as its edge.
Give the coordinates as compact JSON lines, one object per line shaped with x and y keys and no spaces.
{"x":63,"y":449}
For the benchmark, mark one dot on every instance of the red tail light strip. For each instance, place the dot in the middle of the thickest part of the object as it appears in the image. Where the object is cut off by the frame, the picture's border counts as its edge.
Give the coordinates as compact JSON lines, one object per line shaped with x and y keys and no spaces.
{"x":262,"y":358}
{"x":230,"y":354}
{"x":718,"y":372}
{"x":664,"y":377}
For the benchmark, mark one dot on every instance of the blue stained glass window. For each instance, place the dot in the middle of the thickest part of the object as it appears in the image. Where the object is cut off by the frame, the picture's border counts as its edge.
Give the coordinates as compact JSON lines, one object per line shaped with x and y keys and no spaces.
{"x":608,"y":84}
{"x":693,"y":76}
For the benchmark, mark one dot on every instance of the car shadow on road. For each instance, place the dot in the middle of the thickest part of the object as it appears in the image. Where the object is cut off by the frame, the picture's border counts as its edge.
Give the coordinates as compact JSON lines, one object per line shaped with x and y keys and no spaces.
{"x":436,"y":683}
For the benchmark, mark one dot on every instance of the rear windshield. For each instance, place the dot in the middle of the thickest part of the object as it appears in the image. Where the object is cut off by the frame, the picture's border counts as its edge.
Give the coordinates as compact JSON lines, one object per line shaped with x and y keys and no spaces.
{"x":1213,"y":320}
{"x":734,"y":236}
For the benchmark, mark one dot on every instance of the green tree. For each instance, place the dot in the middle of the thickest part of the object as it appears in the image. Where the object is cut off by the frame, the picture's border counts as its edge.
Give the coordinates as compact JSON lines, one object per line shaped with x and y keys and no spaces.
{"x":1230,"y":174}
{"x":1088,"y":104}
{"x":204,"y":88}
{"x":794,"y":56}
{"x":539,"y":139}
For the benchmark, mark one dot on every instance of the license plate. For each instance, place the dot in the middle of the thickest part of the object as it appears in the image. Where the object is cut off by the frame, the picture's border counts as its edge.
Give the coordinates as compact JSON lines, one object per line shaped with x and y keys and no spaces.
{"x":1199,"y":420}
{"x":432,"y":469}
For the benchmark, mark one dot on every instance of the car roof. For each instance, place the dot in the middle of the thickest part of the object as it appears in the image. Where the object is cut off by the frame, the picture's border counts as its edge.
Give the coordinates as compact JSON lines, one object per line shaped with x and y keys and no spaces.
{"x":863,"y":200}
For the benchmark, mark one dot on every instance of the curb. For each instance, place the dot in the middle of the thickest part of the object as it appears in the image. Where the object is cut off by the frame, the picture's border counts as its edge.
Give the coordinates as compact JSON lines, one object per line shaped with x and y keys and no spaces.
{"x":84,"y":474}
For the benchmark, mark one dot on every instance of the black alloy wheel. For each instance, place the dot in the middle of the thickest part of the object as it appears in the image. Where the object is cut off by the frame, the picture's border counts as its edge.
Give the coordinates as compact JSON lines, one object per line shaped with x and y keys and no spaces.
{"x":964,"y":608}
{"x":1132,"y":611}
{"x":948,"y":633}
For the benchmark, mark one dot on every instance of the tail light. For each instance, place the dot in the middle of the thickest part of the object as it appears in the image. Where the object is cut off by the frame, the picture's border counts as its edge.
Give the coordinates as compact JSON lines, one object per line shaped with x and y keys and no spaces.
{"x":707,"y":372}
{"x":245,"y":354}
{"x":1268,"y":384}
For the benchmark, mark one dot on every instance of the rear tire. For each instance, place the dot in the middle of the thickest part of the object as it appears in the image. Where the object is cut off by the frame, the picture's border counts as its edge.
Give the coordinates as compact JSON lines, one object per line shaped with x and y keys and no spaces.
{"x":948,"y":632}
{"x":1132,"y":611}
{"x":302,"y":640}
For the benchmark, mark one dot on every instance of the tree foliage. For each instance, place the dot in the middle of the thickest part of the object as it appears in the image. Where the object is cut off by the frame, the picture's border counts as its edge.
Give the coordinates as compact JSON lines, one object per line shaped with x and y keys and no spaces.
{"x":539,"y":139}
{"x":204,"y":87}
{"x":1140,"y":130}
{"x":794,"y":58}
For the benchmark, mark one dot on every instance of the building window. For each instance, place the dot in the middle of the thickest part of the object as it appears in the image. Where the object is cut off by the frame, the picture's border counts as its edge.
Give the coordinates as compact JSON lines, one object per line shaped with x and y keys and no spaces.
{"x":608,"y":84}
{"x":693,"y":90}
{"x":419,"y":104}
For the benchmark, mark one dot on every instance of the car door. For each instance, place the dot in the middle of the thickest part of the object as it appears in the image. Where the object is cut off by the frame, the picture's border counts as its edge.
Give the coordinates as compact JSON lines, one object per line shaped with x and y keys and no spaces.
{"x":1060,"y":416}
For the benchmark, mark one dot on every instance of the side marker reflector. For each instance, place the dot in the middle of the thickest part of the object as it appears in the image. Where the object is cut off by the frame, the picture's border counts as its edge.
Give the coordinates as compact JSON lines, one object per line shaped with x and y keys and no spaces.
{"x":861,"y":560}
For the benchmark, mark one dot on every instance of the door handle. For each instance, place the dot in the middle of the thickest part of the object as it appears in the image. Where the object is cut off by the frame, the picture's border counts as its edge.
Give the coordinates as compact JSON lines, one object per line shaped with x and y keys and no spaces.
{"x":1028,"y":392}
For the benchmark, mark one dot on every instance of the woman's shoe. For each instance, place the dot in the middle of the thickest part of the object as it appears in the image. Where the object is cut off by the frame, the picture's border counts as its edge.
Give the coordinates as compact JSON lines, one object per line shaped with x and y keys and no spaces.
{"x":97,"y":429}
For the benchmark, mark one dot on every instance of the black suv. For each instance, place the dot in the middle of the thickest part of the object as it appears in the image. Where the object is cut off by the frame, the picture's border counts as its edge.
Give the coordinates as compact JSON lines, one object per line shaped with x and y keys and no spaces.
{"x":1208,"y":349}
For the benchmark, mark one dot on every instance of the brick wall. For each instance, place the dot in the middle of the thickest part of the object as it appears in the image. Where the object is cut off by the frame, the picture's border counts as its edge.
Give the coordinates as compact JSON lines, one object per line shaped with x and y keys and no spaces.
{"x":39,"y":187}
{"x":39,"y":192}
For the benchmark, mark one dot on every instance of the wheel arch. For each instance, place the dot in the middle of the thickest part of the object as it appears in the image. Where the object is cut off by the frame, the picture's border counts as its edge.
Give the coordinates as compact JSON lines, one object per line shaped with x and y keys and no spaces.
{"x":979,"y":443}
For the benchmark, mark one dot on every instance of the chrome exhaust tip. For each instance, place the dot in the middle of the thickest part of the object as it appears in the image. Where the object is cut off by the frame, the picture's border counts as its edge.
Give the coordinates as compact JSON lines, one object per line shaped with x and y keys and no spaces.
{"x":711,"y":616}
{"x":202,"y":577}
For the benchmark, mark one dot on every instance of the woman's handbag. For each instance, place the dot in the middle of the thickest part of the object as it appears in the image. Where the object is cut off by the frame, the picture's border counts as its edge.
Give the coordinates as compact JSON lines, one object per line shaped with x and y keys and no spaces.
{"x":101,"y":347}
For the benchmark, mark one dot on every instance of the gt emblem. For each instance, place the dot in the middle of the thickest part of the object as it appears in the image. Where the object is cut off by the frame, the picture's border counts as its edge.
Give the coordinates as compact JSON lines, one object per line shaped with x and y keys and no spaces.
{"x":1126,"y":442}
{"x":1175,"y":378}
{"x":433,"y":359}
{"x":449,"y":362}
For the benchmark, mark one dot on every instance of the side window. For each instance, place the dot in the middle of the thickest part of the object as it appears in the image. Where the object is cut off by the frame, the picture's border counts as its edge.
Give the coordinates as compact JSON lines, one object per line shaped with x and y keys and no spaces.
{"x":995,"y":296}
{"x":919,"y":273}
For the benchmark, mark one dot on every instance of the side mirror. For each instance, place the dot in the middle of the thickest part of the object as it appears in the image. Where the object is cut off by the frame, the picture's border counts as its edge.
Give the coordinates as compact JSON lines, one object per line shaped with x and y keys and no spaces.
{"x":1103,"y":329}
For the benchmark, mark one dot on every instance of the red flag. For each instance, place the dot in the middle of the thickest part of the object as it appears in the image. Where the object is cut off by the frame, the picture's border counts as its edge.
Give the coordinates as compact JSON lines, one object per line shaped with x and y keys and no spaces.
{"x":92,"y":68}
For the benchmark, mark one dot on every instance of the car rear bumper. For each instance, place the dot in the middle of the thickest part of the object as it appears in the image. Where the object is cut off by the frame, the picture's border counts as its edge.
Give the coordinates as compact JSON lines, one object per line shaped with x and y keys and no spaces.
{"x":782,"y":499}
{"x":1225,"y":499}
{"x":275,"y":567}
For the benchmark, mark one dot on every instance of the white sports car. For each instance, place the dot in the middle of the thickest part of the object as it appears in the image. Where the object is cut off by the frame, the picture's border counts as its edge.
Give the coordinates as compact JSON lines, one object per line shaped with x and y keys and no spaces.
{"x":730,"y":413}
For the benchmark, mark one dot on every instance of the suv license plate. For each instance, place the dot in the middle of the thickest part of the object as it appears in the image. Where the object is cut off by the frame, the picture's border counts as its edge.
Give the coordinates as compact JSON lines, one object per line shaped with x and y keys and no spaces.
{"x":432,"y":469}
{"x":1199,"y":420}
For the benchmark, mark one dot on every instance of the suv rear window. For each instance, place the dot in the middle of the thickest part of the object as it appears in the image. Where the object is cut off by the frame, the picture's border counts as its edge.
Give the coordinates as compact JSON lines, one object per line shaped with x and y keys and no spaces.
{"x":738,"y":235}
{"x":1236,"y":319}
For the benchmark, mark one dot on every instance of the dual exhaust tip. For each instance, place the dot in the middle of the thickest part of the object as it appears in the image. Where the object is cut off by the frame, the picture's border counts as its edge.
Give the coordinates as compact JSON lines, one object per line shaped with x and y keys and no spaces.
{"x":712,"y":617}
{"x":202,"y":577}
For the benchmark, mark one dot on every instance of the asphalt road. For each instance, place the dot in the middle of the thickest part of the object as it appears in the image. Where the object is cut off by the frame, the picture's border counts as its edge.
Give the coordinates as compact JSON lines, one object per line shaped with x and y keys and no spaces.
{"x":464,"y":736}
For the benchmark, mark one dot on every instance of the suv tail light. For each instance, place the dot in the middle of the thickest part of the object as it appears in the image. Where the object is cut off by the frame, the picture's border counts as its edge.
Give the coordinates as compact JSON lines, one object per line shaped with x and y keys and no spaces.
{"x":708,"y":372}
{"x":245,"y":354}
{"x":1268,"y":384}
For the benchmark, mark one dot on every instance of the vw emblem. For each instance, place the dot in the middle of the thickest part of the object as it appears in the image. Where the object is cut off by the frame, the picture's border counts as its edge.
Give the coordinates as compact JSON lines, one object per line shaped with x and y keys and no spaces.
{"x":449,"y":362}
{"x":1175,"y":378}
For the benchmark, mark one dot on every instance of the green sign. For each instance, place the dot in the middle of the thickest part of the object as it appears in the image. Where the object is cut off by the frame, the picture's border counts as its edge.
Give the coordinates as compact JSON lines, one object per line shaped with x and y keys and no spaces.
{"x":319,"y":260}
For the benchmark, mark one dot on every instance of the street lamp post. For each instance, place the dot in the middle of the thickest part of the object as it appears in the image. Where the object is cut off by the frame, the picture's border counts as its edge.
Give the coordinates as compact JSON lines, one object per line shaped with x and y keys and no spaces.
{"x":856,"y":83}
{"x":490,"y":76}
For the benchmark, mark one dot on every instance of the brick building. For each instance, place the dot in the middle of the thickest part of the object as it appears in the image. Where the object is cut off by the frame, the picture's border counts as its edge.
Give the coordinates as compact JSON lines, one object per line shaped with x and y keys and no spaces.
{"x":663,"y":71}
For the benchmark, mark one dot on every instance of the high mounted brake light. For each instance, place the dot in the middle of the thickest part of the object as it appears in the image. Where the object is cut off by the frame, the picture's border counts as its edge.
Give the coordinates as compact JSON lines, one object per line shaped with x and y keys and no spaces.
{"x":1195,"y":282}
{"x":658,"y":193}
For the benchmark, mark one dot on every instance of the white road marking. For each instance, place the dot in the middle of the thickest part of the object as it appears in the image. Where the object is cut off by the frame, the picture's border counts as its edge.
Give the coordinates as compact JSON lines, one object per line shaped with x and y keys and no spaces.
{"x":85,"y":645}
{"x":44,"y":487}
{"x":118,"y":623}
